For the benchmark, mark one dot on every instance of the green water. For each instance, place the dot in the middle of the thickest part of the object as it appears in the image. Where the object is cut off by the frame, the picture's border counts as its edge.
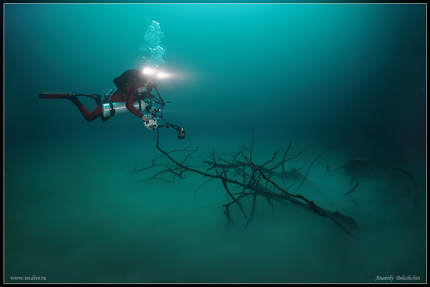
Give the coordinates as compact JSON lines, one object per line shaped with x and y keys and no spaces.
{"x":340,"y":81}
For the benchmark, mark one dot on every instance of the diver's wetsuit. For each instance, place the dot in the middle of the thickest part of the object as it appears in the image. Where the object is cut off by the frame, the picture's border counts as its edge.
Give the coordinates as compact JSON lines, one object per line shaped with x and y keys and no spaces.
{"x":127,"y":85}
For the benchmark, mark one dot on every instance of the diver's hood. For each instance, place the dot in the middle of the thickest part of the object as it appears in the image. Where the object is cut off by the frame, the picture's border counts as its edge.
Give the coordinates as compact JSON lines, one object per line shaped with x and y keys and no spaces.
{"x":133,"y":77}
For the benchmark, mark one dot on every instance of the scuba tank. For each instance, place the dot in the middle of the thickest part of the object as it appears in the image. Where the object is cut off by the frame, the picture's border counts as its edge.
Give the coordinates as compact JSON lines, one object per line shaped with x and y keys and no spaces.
{"x":113,"y":108}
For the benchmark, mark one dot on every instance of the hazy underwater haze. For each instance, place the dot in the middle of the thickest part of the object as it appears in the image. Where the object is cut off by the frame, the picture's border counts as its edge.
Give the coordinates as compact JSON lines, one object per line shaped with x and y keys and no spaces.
{"x":345,"y":84}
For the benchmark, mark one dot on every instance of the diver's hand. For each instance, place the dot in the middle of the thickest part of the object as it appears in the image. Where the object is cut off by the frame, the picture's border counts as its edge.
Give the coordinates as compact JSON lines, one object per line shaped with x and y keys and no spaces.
{"x":150,"y":123}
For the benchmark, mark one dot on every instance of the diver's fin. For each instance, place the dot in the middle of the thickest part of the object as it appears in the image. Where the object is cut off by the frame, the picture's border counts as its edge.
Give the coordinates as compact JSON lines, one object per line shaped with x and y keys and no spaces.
{"x":70,"y":96}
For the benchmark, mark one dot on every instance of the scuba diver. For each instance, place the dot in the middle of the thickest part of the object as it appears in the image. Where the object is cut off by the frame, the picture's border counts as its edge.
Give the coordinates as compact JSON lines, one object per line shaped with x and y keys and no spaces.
{"x":133,"y":94}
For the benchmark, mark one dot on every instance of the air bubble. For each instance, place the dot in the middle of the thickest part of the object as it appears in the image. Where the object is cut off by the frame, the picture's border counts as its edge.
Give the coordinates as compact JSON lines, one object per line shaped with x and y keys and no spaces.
{"x":153,"y":51}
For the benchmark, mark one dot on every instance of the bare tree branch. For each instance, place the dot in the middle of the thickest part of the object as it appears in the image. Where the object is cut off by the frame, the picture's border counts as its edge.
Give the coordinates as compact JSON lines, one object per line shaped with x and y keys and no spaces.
{"x":254,"y":180}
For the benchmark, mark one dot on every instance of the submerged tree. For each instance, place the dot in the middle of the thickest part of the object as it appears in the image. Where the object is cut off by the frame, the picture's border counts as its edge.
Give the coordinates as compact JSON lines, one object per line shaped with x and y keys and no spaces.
{"x":239,"y":170}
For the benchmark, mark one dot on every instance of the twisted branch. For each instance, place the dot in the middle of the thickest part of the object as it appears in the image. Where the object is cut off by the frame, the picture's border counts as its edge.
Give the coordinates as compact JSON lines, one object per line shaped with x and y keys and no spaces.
{"x":254,"y":180}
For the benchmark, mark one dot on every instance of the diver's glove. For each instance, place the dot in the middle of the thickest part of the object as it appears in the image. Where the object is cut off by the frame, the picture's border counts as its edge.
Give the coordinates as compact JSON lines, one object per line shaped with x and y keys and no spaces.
{"x":150,"y":124}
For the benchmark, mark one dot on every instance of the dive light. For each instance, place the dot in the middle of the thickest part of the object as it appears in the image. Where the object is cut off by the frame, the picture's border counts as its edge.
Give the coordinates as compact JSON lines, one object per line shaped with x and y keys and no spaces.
{"x":181,"y":133}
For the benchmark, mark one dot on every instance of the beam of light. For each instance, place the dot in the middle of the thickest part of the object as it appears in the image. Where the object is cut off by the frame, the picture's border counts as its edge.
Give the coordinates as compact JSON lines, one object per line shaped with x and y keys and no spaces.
{"x":154,"y":73}
{"x":163,"y":75}
{"x":148,"y":71}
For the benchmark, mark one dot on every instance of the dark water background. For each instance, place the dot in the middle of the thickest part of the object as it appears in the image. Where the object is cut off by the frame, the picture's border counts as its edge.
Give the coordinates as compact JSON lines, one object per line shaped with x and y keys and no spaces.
{"x":345,"y":81}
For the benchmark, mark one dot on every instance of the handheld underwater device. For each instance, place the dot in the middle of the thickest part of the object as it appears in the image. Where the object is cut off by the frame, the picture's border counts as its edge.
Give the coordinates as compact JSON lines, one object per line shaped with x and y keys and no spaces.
{"x":159,"y":104}
{"x":150,"y":105}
